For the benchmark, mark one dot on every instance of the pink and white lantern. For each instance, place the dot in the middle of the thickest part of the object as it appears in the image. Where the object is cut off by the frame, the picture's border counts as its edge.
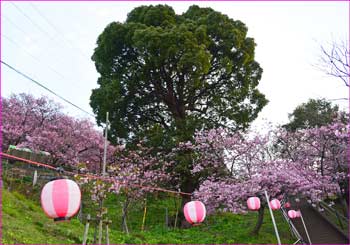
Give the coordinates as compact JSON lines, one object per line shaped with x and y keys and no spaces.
{"x":292,"y":214}
{"x":275,"y":204}
{"x":194,"y":212}
{"x":60,"y":199}
{"x":253,"y":203}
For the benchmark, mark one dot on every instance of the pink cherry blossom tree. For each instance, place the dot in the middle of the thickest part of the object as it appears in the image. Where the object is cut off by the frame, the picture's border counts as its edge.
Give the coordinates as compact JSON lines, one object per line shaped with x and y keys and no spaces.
{"x":23,"y":115}
{"x":40,"y":125}
{"x":133,"y":173}
{"x":322,"y":149}
{"x":254,"y":165}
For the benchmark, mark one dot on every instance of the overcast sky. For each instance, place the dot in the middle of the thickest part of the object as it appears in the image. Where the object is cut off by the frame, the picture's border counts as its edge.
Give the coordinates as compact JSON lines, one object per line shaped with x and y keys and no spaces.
{"x":53,"y":41}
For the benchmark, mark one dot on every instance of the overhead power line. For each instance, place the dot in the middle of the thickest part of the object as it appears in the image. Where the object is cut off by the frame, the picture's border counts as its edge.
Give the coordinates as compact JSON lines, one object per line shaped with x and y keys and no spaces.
{"x":31,"y":55}
{"x":14,"y":24}
{"x":30,"y":19}
{"x":47,"y":33}
{"x":59,"y":31}
{"x":26,"y":34}
{"x":46,"y":88}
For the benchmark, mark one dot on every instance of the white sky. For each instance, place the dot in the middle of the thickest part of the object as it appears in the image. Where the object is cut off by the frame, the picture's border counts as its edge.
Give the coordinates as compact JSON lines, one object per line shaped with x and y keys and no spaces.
{"x":288,"y":37}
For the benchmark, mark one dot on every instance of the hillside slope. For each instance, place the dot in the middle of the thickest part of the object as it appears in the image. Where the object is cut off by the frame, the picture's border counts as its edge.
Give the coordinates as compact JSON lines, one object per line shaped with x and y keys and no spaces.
{"x":24,"y":222}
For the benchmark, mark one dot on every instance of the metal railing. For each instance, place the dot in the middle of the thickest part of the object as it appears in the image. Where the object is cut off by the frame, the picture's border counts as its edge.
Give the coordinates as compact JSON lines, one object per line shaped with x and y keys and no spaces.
{"x":335,"y":217}
{"x":292,"y":228}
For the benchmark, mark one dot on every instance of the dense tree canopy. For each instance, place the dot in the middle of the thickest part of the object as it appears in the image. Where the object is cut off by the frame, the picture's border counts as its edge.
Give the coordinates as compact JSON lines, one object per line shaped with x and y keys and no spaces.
{"x":314,"y":113}
{"x":175,"y":72}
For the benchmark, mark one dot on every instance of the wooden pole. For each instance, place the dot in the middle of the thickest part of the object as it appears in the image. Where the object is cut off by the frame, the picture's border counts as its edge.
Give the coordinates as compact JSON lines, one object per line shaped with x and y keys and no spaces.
{"x":166,"y":218}
{"x":35,"y":177}
{"x":86,"y":229}
{"x":107,"y":232}
{"x":80,"y":214}
{"x":100,"y":231}
{"x":144,"y":216}
{"x":95,"y":232}
{"x":177,"y":213}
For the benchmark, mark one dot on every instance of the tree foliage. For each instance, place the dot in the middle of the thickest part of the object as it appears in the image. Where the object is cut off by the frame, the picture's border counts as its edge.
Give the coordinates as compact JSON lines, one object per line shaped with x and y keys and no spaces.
{"x":314,"y":113}
{"x":180,"y":72}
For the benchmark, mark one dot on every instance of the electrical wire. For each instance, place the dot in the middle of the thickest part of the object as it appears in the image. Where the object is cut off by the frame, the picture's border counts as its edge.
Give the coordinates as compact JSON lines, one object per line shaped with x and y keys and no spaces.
{"x":46,"y":34}
{"x":31,"y":55}
{"x":58,"y":31}
{"x":46,"y":88}
{"x":58,"y":58}
{"x":14,"y":24}
{"x":32,"y":21}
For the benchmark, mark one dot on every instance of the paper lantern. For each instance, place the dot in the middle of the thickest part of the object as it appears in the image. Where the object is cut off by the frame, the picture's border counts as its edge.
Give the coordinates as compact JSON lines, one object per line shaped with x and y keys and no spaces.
{"x":194,"y":212}
{"x":60,"y":199}
{"x":297,"y":213}
{"x":287,"y":205}
{"x":275,"y":204}
{"x":292,"y":214}
{"x":253,"y":203}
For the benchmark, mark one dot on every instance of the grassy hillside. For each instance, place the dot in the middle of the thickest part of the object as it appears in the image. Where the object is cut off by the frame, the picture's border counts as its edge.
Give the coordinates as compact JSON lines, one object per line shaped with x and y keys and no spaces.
{"x":24,"y":222}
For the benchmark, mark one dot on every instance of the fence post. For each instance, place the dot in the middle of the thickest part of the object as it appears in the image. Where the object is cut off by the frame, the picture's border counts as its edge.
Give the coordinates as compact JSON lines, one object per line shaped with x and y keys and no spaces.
{"x":100,"y":230}
{"x":166,"y":218}
{"x":177,"y":213}
{"x":107,"y":232}
{"x":35,"y":177}
{"x":86,"y":229}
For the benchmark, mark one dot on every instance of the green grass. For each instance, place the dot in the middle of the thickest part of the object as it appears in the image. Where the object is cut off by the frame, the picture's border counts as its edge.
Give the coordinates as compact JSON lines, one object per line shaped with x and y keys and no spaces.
{"x":25,"y":222}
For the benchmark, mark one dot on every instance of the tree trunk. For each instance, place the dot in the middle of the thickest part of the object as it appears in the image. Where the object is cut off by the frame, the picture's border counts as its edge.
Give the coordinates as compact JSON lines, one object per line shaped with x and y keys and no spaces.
{"x":259,"y":222}
{"x":188,"y":186}
{"x":125,"y":215}
{"x":188,"y":182}
{"x":183,"y":222}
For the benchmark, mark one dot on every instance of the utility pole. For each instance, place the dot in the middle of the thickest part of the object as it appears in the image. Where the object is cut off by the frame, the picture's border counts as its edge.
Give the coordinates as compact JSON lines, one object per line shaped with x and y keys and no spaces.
{"x":103,"y":174}
{"x":105,"y":146}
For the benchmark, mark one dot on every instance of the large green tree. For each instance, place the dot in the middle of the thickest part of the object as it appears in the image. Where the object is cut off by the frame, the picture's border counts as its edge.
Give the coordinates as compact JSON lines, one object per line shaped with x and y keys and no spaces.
{"x":313,"y":113}
{"x":172,"y":74}
{"x":163,"y":76}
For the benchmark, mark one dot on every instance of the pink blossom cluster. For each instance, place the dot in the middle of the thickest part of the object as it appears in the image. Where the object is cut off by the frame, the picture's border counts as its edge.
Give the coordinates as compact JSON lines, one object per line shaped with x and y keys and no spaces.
{"x":137,"y":169}
{"x":311,"y":163}
{"x":278,"y":178}
{"x":40,"y":125}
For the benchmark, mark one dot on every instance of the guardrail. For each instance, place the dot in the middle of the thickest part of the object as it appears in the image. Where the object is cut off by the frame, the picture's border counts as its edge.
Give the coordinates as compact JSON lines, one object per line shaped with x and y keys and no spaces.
{"x":292,"y":228}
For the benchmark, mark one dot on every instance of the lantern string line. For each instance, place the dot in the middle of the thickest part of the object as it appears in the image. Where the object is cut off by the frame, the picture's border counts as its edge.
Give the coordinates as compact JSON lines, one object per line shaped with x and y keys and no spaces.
{"x":91,"y":176}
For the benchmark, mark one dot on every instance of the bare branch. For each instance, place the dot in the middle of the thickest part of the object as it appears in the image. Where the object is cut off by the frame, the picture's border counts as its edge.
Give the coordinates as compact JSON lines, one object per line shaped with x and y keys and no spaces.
{"x":335,"y":61}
